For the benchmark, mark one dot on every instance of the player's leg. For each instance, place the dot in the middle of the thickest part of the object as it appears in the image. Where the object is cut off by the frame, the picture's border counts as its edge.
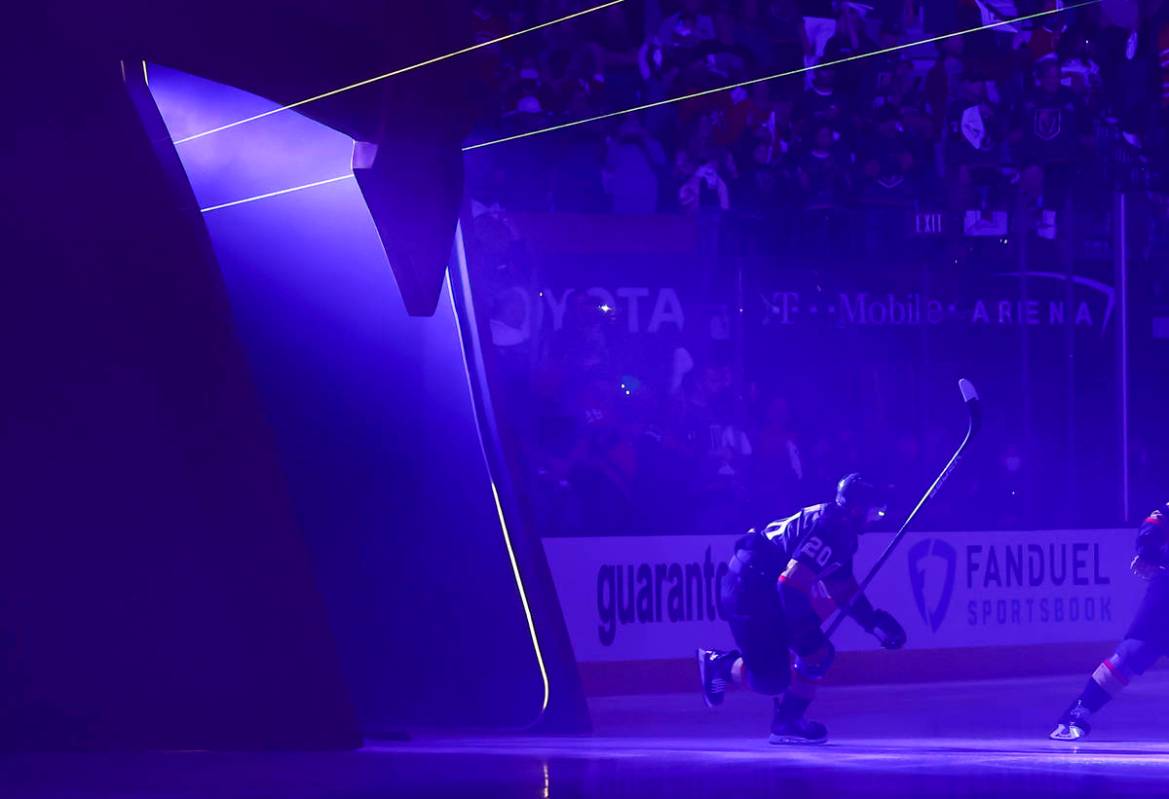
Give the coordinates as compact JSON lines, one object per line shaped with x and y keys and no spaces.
{"x":814,"y":656}
{"x":1145,"y":642}
{"x":760,"y":662}
{"x":1131,"y":658}
{"x":788,"y":724}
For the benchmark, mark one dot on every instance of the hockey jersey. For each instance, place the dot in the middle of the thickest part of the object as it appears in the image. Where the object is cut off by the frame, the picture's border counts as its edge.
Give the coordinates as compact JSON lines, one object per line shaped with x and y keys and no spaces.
{"x":820,"y":537}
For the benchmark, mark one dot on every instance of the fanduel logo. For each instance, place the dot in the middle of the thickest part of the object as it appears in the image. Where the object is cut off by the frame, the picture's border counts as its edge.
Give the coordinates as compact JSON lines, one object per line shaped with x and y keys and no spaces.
{"x":933,"y":566}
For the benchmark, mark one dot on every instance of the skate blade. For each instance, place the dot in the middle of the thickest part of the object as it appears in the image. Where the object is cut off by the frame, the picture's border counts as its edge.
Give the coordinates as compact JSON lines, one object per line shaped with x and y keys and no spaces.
{"x":1068,"y":732}
{"x":794,"y":740}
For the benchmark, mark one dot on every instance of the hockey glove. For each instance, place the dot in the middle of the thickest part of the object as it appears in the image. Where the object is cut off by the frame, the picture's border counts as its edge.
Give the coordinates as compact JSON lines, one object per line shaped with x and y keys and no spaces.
{"x":888,"y":632}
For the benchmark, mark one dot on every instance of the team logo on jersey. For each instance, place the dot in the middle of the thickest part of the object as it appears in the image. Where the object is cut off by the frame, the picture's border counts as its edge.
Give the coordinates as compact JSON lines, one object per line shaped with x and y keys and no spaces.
{"x":933,"y":565}
{"x":1048,"y":123}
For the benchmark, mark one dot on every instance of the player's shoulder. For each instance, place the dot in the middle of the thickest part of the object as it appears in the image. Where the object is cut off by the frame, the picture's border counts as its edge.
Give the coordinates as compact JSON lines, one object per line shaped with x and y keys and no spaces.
{"x":778,"y":527}
{"x":816,"y":512}
{"x":790,"y":524}
{"x":810,"y":515}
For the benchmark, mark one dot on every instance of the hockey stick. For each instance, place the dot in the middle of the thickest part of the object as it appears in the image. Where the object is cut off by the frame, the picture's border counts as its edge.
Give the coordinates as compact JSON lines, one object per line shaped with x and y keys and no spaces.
{"x":974,"y":408}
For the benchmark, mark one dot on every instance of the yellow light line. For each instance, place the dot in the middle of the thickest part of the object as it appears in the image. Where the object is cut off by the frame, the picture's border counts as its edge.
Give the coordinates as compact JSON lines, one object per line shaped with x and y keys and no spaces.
{"x":764,"y":79}
{"x":277,"y":193}
{"x":400,"y":71}
{"x":515,"y":568}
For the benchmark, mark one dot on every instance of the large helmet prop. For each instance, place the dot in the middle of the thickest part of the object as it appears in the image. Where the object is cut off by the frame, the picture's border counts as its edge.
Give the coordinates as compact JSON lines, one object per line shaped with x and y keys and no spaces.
{"x":861,"y":498}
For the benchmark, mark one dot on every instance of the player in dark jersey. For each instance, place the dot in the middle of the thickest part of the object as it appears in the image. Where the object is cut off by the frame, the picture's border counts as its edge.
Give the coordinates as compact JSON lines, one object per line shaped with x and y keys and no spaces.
{"x":767,"y":597}
{"x":1147,"y":638}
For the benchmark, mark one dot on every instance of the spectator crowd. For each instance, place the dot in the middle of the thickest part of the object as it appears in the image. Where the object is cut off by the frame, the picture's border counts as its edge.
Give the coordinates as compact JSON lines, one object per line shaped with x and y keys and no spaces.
{"x":612,"y":433}
{"x":1020,"y":113}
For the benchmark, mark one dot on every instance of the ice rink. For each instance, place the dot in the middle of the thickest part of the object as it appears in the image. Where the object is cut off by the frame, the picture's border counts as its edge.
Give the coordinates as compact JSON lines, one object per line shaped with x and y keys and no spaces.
{"x":970,"y":739}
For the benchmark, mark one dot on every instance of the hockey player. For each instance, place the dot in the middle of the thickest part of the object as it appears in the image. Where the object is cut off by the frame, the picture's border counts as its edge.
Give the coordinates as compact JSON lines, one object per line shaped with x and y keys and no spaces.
{"x":1147,"y":638}
{"x":767,"y":597}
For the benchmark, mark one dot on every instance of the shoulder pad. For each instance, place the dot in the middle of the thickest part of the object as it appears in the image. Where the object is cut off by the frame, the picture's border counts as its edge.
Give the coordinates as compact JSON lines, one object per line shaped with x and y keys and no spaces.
{"x":777,"y":527}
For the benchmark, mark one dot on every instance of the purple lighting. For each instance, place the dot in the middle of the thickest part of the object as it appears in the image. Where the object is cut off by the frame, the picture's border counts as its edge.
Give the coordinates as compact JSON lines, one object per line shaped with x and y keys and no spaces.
{"x":287,"y":153}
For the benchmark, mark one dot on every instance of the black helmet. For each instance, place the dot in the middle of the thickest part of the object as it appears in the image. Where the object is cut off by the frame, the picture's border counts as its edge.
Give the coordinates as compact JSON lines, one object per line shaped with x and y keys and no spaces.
{"x":855,"y":493}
